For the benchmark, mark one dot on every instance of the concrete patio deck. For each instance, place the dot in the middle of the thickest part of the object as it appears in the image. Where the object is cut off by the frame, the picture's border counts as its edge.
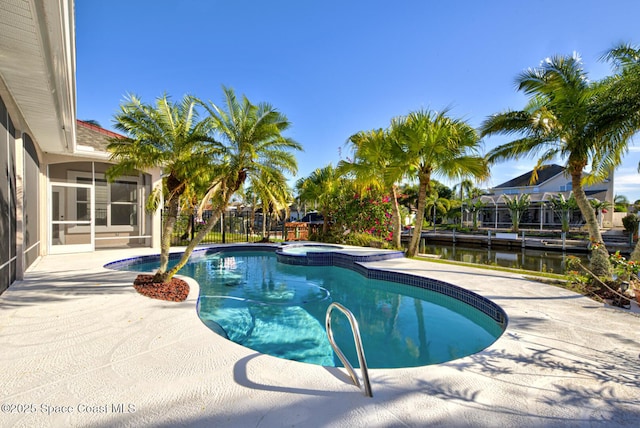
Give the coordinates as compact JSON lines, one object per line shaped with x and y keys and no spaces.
{"x":79,"y":347}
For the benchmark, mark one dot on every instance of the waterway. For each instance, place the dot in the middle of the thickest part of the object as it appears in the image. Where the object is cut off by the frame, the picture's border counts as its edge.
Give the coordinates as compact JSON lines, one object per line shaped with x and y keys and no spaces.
{"x":521,"y":258}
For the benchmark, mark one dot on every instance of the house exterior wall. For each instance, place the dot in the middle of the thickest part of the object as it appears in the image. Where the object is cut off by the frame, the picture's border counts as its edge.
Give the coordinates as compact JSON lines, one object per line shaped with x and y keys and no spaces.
{"x":20,"y":195}
{"x":30,"y":132}
{"x":559,"y":183}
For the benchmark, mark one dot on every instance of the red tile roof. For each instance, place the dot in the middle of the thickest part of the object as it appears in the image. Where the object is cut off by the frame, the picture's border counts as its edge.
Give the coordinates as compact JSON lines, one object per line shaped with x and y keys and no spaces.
{"x":99,"y":129}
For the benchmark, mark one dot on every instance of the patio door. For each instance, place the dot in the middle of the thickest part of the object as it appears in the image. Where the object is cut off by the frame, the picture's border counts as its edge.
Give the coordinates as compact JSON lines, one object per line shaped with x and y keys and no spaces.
{"x":71,"y":214}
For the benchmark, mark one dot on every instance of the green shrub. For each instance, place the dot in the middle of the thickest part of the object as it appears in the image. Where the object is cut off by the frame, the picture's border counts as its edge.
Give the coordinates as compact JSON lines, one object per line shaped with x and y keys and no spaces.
{"x":630,"y":223}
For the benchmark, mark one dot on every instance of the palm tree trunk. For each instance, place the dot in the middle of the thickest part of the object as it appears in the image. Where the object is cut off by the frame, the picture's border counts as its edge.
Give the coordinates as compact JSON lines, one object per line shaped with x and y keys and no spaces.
{"x":417,"y":231}
{"x":600,"y":264}
{"x":165,"y":242}
{"x":211,"y":222}
{"x":396,"y":218}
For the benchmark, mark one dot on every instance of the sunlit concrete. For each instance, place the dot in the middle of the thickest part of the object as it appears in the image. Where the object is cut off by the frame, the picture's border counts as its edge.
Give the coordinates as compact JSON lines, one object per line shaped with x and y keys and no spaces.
{"x":78,"y":341}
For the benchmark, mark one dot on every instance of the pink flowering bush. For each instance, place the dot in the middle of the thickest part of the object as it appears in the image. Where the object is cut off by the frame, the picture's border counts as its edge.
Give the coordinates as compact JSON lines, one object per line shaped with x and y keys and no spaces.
{"x":369,"y":214}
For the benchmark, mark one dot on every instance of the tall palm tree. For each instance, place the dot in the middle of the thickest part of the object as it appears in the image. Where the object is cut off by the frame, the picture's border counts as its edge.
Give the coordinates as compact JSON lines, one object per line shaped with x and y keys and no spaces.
{"x":253,"y":147}
{"x":560,"y":121}
{"x":435,"y":203}
{"x":377,"y":165}
{"x":434,"y":144}
{"x":621,"y":100}
{"x":170,"y":136}
{"x":618,"y":107}
{"x":321,"y":188}
{"x":464,"y":188}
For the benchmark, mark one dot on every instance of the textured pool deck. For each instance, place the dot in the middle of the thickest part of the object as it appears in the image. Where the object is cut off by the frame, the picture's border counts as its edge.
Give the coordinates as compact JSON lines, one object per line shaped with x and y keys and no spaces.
{"x":79,"y":347}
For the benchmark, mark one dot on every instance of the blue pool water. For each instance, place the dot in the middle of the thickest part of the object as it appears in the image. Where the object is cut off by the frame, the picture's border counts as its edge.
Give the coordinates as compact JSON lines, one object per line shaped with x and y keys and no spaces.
{"x":279,"y":309}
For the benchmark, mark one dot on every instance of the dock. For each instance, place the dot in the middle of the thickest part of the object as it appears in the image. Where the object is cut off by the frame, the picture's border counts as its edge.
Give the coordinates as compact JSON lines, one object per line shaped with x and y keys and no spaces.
{"x":502,"y":239}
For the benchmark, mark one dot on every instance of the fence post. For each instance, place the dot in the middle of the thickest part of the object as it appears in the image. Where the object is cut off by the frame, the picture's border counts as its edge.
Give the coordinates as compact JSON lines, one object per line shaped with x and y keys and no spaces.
{"x":222,"y":227}
{"x":193,"y":226}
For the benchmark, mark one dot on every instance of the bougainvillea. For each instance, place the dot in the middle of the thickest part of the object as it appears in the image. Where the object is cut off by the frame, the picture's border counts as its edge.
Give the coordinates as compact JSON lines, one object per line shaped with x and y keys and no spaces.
{"x":370,"y":213}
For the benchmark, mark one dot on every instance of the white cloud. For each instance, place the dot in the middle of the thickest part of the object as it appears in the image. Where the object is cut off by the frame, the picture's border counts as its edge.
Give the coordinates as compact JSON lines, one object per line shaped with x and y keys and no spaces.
{"x":627,"y":179}
{"x":627,"y":182}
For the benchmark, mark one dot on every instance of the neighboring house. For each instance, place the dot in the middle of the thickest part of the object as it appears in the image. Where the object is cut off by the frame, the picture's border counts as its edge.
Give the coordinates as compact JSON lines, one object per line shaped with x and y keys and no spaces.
{"x":551,"y":181}
{"x":312,"y":217}
{"x":53,"y":195}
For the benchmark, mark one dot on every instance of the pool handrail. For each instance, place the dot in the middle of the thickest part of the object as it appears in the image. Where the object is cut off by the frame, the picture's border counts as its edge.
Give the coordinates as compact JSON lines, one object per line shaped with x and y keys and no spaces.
{"x":358,"y":342}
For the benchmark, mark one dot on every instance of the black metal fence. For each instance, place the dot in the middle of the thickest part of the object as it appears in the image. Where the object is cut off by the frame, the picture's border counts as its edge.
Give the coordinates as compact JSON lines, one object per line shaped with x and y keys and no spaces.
{"x":231,"y":228}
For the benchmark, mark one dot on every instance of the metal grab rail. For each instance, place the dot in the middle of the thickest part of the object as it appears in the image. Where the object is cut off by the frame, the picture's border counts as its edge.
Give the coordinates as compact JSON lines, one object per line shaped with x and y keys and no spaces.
{"x":358,"y":341}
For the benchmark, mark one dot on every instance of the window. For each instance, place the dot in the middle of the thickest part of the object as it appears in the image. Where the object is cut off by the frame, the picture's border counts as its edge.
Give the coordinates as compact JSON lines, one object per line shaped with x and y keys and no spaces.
{"x":116,"y":204}
{"x":124,"y":203}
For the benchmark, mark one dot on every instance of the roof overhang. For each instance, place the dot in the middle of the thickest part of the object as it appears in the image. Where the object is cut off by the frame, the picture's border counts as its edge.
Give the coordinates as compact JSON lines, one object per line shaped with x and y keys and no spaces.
{"x":37,"y":69}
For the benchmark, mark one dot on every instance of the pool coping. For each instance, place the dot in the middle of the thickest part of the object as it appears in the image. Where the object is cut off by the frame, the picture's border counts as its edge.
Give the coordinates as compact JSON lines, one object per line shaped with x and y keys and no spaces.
{"x":564,"y":360}
{"x":353,"y":259}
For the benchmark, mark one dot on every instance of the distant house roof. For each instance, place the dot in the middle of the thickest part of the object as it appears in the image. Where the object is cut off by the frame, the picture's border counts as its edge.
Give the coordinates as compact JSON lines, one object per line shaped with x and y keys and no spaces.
{"x":312,"y":217}
{"x":90,"y":135}
{"x":525,"y":179}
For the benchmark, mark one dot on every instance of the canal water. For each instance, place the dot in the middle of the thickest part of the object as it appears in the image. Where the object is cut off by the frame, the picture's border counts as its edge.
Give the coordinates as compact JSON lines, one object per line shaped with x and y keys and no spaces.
{"x":521,"y":258}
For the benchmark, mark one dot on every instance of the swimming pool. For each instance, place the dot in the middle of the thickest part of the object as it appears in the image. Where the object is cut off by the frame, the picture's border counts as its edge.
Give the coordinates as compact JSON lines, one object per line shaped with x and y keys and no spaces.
{"x":278,"y":309}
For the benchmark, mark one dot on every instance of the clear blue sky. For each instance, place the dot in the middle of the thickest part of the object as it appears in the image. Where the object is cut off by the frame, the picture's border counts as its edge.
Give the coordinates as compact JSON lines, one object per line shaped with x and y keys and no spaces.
{"x":338,"y":67}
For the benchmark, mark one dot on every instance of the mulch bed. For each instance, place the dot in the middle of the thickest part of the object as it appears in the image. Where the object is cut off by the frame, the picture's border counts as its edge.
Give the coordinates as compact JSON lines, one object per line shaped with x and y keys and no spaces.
{"x":176,"y":290}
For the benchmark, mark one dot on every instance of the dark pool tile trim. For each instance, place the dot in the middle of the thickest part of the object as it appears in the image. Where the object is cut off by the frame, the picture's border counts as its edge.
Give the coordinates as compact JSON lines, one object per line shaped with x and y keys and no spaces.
{"x":352,"y":261}
{"x":197,"y":253}
{"x":469,"y":297}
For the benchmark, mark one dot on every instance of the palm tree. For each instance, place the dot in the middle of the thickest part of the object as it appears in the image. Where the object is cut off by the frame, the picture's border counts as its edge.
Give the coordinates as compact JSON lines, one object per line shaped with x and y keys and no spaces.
{"x":517,"y":206}
{"x":274,"y":196}
{"x":436,"y":145}
{"x":560,"y":120}
{"x":563,"y":207}
{"x":435,"y":203}
{"x":475,"y":207}
{"x":253,"y":148}
{"x":464,"y":187}
{"x":621,"y":203}
{"x":377,"y":165}
{"x":618,"y":108}
{"x":321,"y":188}
{"x":620,"y":104}
{"x":170,"y":136}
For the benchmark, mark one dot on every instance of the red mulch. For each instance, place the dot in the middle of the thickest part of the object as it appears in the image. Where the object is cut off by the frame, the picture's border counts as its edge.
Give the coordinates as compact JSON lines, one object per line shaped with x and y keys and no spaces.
{"x":176,"y":290}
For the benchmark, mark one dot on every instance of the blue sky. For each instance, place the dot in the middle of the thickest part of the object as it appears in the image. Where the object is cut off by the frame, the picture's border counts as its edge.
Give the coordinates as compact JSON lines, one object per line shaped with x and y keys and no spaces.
{"x":337,"y":67}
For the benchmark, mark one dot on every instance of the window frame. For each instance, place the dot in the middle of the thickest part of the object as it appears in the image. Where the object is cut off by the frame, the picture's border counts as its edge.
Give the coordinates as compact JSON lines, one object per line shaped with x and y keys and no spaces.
{"x":90,"y":178}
